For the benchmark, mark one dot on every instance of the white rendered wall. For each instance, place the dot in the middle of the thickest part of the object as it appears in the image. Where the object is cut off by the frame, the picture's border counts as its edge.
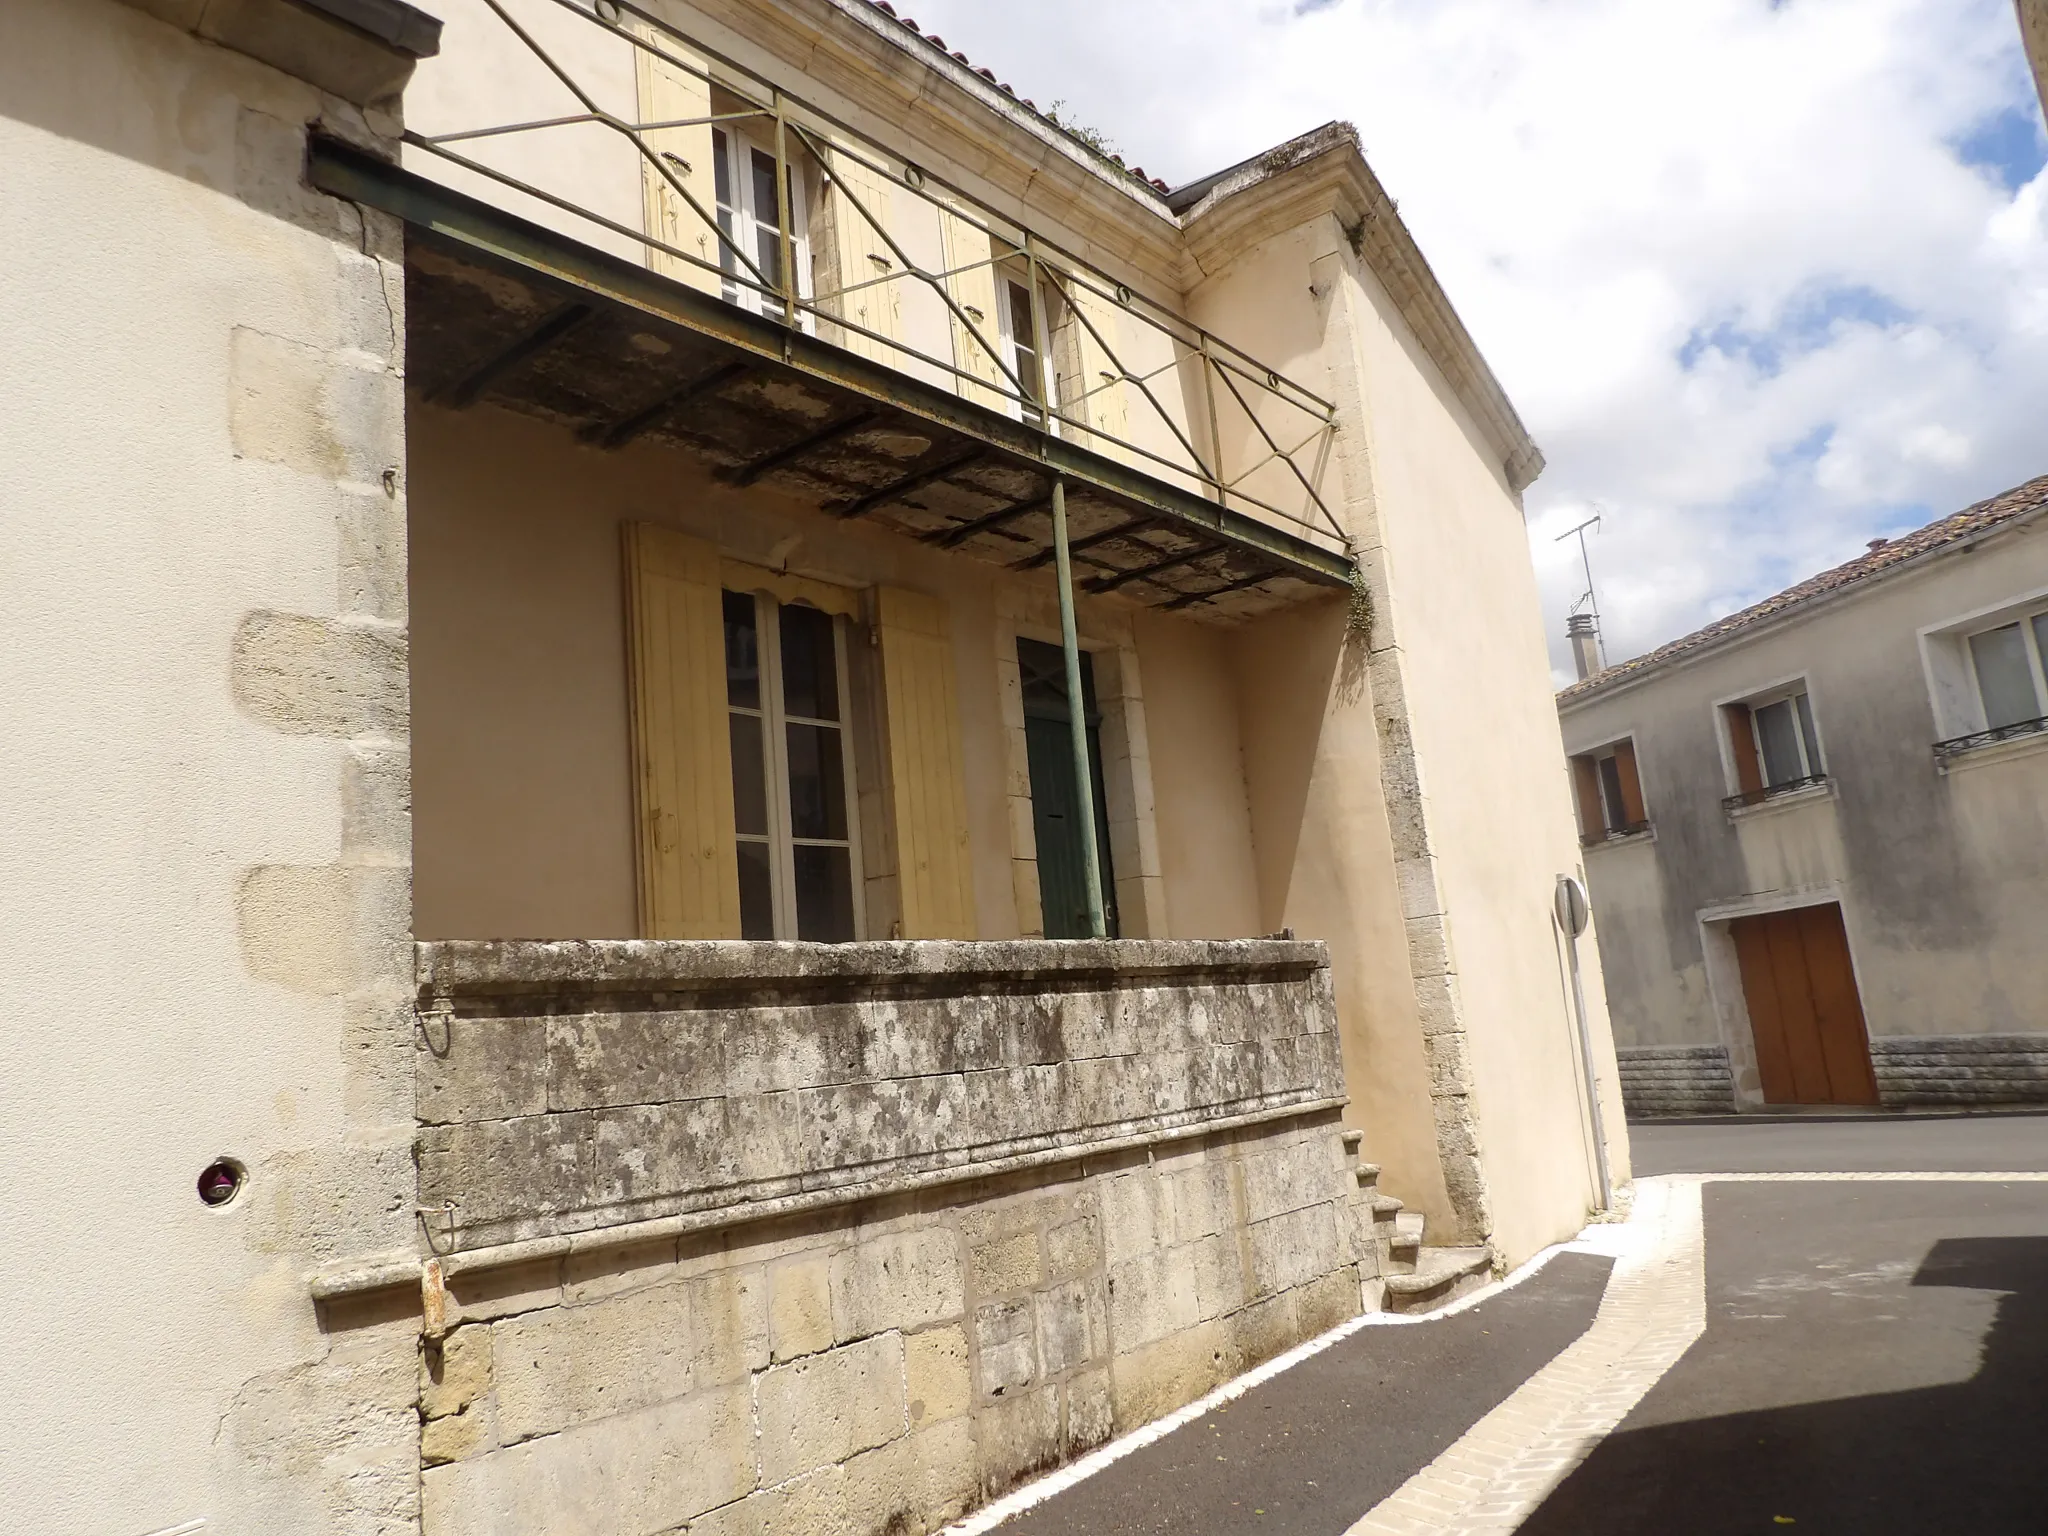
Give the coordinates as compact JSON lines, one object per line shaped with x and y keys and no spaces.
{"x":204,"y":900}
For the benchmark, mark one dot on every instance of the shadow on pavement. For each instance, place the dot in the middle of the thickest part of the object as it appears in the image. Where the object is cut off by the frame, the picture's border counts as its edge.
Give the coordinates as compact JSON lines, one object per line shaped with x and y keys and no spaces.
{"x":1969,"y":1458}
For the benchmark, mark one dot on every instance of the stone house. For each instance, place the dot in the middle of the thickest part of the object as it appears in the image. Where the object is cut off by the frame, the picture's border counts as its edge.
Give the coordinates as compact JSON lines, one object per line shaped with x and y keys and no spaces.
{"x":744,"y":783}
{"x":1817,"y":833}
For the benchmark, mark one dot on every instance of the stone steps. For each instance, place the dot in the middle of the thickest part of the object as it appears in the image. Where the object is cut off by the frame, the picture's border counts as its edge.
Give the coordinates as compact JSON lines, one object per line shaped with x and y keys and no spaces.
{"x":1440,"y":1275}
{"x":1399,"y":1273}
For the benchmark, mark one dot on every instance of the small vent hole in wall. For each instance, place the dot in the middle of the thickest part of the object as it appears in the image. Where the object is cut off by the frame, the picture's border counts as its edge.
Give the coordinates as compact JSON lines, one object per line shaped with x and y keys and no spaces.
{"x":221,"y":1180}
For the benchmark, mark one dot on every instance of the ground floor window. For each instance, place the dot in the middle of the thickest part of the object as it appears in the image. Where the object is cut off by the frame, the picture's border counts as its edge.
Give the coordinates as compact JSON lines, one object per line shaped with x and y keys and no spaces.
{"x":794,"y":811}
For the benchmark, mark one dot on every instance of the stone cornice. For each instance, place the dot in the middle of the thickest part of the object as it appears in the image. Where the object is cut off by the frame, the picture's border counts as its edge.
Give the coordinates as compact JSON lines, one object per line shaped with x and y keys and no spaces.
{"x":1325,"y":173}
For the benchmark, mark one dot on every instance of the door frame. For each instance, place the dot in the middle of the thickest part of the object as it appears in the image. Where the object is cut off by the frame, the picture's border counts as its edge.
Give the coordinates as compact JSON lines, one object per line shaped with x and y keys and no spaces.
{"x":1724,"y":978}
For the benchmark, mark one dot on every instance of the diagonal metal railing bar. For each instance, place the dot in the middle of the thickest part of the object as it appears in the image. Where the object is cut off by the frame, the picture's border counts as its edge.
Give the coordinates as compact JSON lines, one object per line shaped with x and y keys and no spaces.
{"x":939,"y":287}
{"x":811,"y":143}
{"x":1260,"y":426}
{"x":1253,"y":469}
{"x":590,"y":117}
{"x":1081,"y":314}
{"x":652,"y":158}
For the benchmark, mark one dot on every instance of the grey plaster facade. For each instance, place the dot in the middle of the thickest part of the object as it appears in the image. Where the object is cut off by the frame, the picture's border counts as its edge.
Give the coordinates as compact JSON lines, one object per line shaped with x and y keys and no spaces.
{"x":1938,"y":860}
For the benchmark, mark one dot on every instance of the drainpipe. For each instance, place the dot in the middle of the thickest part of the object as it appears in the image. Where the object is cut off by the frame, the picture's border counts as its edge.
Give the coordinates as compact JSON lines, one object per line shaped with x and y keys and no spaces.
{"x":1574,"y":912}
{"x":1077,"y":714}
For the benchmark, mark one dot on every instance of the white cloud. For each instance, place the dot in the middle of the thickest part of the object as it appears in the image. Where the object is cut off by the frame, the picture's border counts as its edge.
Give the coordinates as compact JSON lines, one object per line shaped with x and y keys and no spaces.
{"x":1725,"y":255}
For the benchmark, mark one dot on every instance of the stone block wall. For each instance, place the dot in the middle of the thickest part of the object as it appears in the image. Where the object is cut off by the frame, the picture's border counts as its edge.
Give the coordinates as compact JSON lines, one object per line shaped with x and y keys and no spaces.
{"x":1960,"y":1070}
{"x":886,"y":1366}
{"x":566,"y":1087}
{"x":1662,"y":1080}
{"x":908,"y":1300}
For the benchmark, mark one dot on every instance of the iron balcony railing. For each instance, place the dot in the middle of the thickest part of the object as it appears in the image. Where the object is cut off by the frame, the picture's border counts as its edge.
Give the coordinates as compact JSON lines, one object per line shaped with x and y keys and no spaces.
{"x":1613,"y":834}
{"x":1163,"y":394}
{"x":1773,"y":791}
{"x":1956,"y":746}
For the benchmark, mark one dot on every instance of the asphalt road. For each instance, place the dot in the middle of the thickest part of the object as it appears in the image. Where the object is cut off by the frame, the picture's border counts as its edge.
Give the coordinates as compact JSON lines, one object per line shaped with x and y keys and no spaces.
{"x":1873,"y":1365}
{"x":1308,"y":1452}
{"x":2006,"y":1143}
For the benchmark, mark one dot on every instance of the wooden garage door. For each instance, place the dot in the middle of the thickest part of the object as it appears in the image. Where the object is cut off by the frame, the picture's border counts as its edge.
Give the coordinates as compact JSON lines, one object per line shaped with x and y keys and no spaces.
{"x":1803,"y":1009}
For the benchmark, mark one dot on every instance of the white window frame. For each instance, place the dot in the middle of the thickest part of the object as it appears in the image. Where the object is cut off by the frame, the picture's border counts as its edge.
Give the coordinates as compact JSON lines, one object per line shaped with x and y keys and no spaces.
{"x":1006,"y":327}
{"x":2030,"y":638}
{"x":1763,"y":698}
{"x":1950,"y":664}
{"x":775,"y":722}
{"x":734,"y":150}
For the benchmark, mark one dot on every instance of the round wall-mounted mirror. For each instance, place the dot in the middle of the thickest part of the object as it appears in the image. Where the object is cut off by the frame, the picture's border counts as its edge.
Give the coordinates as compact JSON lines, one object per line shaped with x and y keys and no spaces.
{"x":1574,"y":908}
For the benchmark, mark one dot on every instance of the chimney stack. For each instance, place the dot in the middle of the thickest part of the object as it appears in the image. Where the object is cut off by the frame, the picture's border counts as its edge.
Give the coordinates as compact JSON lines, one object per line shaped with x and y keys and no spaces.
{"x":1583,"y":630}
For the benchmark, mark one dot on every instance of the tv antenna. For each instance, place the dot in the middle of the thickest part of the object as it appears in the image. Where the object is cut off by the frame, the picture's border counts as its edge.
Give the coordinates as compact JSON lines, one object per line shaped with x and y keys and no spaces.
{"x":1587,"y":601}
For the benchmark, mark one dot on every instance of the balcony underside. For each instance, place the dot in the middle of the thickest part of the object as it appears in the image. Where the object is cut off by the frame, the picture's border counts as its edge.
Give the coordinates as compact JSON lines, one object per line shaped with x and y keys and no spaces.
{"x":505,"y":311}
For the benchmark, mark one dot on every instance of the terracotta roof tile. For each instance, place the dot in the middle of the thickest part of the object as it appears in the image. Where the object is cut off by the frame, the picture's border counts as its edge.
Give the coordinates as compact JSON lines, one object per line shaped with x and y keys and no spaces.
{"x":1971,"y":521}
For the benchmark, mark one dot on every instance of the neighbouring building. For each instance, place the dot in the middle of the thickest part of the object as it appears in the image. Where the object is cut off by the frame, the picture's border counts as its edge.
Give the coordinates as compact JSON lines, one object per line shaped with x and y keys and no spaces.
{"x":743,"y":796}
{"x":1817,"y":833}
{"x":2034,"y":33}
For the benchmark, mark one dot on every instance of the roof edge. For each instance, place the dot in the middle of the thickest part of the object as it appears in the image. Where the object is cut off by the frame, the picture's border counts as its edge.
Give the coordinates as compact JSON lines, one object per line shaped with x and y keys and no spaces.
{"x":1687,"y":649}
{"x":1328,"y":165}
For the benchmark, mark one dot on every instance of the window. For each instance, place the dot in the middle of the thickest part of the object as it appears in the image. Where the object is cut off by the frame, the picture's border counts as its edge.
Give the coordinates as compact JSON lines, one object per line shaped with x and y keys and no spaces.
{"x":793,"y":793}
{"x":1610,"y":793}
{"x":744,"y":174}
{"x":1773,"y":744}
{"x":2008,"y":665}
{"x":1020,"y":338}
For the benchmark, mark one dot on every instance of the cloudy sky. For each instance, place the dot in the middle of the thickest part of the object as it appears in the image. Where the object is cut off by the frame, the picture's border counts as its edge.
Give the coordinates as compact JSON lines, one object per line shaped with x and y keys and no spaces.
{"x":1765,"y":278}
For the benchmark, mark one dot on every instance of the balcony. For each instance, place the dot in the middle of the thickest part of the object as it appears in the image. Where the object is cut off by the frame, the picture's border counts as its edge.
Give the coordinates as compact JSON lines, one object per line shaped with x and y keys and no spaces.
{"x":617,"y":229}
{"x":1946,"y":752}
{"x":1750,"y":798}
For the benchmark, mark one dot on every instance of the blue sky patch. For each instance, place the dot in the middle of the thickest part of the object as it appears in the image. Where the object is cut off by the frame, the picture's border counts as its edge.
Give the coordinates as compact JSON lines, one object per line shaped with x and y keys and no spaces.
{"x":1806,"y":323}
{"x":2009,"y":146}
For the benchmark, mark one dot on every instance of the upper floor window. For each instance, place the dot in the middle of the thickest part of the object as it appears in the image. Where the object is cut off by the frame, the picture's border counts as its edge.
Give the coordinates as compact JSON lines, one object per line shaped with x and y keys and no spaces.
{"x":2006,"y":663}
{"x":1987,"y":675}
{"x":750,"y":218}
{"x":1772,"y":742}
{"x":1610,"y":793}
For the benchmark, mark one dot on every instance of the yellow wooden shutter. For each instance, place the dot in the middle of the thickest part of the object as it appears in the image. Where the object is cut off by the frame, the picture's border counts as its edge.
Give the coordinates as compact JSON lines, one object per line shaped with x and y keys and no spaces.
{"x":1108,"y":406}
{"x":927,"y":779}
{"x":682,"y":747}
{"x":973,"y":290}
{"x":851,"y":251}
{"x":669,"y":93}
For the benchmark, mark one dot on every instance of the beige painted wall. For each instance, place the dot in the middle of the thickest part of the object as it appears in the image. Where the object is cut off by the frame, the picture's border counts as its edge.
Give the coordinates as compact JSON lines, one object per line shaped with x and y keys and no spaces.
{"x":1939,"y":876}
{"x":1462,"y":603}
{"x":204,"y":898}
{"x":1462,"y":994}
{"x":521,"y":793}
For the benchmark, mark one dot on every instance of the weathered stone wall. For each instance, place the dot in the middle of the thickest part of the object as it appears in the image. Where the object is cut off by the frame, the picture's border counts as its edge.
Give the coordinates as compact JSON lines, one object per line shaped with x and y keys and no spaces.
{"x":1960,"y":1070}
{"x":1675,"y":1080}
{"x":924,"y":1286}
{"x":881,"y":1366}
{"x":569,"y":1086}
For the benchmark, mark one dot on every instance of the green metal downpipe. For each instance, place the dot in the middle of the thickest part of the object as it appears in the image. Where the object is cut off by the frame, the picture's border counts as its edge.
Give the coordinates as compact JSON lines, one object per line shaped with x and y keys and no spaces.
{"x":1077,"y":713}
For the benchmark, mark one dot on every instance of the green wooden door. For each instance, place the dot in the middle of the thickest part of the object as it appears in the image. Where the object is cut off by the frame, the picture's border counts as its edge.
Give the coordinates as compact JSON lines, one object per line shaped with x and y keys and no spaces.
{"x":1055,"y":818}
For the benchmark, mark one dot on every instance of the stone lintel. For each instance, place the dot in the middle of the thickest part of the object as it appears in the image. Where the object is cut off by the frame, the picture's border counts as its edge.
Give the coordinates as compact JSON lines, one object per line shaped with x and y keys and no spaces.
{"x":360,"y":50}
